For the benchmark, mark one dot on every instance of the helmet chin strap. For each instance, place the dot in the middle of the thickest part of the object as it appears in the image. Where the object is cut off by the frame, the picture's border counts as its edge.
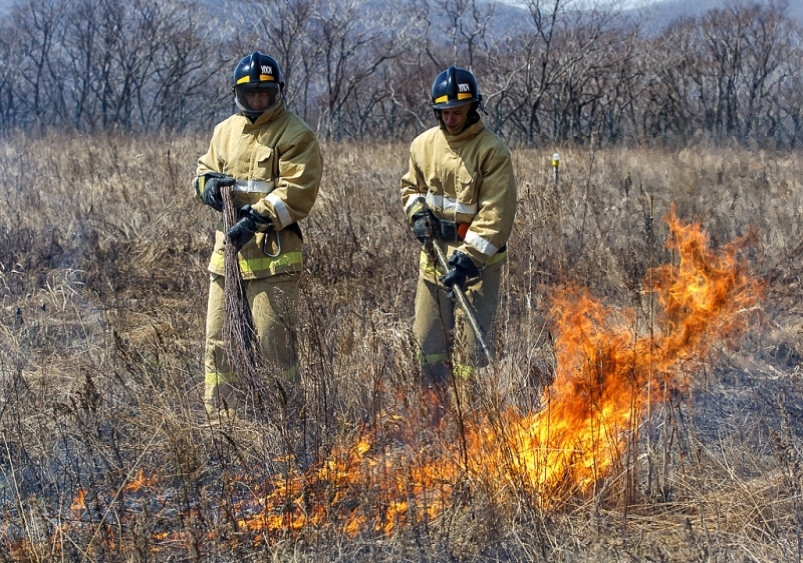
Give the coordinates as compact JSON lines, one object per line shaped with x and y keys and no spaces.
{"x":254,"y":114}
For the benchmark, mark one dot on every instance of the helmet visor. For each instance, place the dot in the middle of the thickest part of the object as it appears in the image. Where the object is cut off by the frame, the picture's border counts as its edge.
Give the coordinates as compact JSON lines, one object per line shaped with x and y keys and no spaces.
{"x":253,"y":99}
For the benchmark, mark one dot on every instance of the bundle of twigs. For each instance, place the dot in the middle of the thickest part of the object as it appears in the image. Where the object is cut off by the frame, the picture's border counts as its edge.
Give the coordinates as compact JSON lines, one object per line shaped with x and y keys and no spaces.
{"x":238,"y":325}
{"x":240,"y":336}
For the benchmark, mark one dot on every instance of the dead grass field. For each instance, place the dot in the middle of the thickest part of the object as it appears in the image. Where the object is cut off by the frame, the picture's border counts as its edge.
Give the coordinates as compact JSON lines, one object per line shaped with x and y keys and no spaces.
{"x":104,"y":454}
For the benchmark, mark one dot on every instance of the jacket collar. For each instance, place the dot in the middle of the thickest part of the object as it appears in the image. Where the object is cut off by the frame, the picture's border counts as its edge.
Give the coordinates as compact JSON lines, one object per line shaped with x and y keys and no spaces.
{"x":466,"y":134}
{"x":269,"y":114}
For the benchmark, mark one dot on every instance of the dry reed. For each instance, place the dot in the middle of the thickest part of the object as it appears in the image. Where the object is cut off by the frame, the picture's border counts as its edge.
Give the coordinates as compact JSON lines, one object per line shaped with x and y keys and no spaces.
{"x":102,"y":456}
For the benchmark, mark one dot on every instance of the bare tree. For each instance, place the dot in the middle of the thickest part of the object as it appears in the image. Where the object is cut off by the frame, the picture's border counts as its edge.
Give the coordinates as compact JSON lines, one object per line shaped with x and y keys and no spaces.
{"x":769,"y":38}
{"x":284,"y":30}
{"x":549,"y":70}
{"x":136,"y":66}
{"x":461,"y":31}
{"x":181,"y":63}
{"x":13,"y":107}
{"x":352,"y":50}
{"x":562,"y":46}
{"x":42,"y":22}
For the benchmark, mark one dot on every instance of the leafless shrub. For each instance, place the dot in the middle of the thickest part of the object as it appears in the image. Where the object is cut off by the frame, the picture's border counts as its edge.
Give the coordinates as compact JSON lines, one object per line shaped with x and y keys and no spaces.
{"x":103,"y":451}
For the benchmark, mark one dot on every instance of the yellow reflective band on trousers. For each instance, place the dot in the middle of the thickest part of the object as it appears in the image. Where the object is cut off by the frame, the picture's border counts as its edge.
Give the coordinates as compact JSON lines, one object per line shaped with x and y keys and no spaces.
{"x":462,"y":371}
{"x":259,"y":264}
{"x":214,"y":378}
{"x":429,"y":359}
{"x":457,"y":369}
{"x":290,"y":374}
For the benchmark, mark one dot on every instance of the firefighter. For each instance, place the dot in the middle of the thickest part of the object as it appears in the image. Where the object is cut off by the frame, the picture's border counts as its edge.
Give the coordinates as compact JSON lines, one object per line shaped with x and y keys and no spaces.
{"x":459,"y":193}
{"x":272,"y":161}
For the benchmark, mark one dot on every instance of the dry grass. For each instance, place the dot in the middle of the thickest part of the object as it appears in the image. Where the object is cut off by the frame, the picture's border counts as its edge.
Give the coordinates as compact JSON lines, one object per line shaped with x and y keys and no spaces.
{"x":103,"y":284}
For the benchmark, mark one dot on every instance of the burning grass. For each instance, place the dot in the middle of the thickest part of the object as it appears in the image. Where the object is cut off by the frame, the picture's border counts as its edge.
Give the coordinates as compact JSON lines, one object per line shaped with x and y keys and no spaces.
{"x":636,"y":411}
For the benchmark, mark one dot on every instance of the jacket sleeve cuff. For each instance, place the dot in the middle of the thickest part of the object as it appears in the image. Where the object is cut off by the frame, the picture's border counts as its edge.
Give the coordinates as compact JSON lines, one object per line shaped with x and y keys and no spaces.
{"x":415,"y":204}
{"x":481,"y":245}
{"x":274,"y":208}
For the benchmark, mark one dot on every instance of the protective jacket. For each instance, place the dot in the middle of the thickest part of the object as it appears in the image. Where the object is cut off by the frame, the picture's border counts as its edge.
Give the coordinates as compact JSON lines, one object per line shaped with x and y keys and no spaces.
{"x":468,"y":184}
{"x":276,"y":161}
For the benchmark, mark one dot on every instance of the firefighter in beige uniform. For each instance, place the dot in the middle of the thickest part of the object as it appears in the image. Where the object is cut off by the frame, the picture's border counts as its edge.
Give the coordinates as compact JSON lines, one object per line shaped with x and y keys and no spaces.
{"x":459,"y":193}
{"x":272,"y":159}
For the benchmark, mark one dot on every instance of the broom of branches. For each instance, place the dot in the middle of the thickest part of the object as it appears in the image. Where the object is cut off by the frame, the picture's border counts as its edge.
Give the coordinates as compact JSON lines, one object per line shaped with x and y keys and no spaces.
{"x":238,"y":325}
{"x":241,"y":342}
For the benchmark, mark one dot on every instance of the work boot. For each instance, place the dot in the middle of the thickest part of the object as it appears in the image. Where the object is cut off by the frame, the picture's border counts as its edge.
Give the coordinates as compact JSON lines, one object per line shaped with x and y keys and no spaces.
{"x":464,"y":397}
{"x":219,"y":403}
{"x":435,"y":393}
{"x":220,"y":397}
{"x":220,"y":418}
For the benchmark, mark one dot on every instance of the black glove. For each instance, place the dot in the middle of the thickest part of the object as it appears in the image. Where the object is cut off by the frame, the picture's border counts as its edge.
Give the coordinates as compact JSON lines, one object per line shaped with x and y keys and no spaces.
{"x":207,"y":187}
{"x":462,"y":269}
{"x":422,"y":223}
{"x":249,"y":223}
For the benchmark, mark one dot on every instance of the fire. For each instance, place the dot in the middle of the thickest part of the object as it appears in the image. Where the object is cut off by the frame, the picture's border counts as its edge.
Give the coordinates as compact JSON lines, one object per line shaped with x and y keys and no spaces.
{"x":612,"y":364}
{"x":78,"y":504}
{"x":608,"y":371}
{"x":140,"y":482}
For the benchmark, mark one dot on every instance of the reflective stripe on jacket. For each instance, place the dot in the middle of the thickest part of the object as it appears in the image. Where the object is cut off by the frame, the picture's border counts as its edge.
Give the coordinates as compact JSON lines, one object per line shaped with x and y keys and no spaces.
{"x":466,"y":178}
{"x":277,"y":163}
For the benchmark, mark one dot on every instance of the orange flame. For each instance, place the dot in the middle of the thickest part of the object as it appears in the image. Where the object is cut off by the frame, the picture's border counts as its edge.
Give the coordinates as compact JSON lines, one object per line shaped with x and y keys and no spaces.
{"x":611,"y":365}
{"x":139,"y":482}
{"x":78,"y":505}
{"x":609,"y":369}
{"x":608,"y":372}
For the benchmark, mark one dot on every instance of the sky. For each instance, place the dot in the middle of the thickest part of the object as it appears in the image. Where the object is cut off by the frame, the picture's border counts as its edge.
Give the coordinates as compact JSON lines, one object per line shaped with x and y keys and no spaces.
{"x":624,"y":4}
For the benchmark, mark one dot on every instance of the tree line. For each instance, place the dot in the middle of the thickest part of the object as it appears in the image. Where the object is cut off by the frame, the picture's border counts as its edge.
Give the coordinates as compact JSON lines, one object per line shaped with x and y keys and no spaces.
{"x":549,"y":71}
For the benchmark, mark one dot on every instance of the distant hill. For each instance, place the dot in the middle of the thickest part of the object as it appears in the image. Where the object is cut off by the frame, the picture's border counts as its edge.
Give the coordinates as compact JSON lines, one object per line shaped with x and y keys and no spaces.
{"x":658,"y":15}
{"x":652,"y":16}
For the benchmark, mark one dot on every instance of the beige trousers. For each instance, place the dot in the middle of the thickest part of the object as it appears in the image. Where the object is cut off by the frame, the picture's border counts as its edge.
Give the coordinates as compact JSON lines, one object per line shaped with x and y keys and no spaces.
{"x":444,"y":336}
{"x":273,"y":302}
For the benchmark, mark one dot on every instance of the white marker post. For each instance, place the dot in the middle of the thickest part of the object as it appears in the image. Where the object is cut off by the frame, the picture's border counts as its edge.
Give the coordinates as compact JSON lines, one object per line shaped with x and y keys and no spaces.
{"x":555,"y":167}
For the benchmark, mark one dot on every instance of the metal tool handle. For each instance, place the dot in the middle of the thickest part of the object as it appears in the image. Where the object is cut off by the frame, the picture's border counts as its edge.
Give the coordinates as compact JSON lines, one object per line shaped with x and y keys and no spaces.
{"x":460,"y":297}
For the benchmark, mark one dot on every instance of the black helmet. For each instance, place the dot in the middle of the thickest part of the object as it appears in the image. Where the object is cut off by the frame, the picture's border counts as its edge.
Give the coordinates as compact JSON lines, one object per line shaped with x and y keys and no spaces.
{"x":455,"y":86}
{"x":255,"y":73}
